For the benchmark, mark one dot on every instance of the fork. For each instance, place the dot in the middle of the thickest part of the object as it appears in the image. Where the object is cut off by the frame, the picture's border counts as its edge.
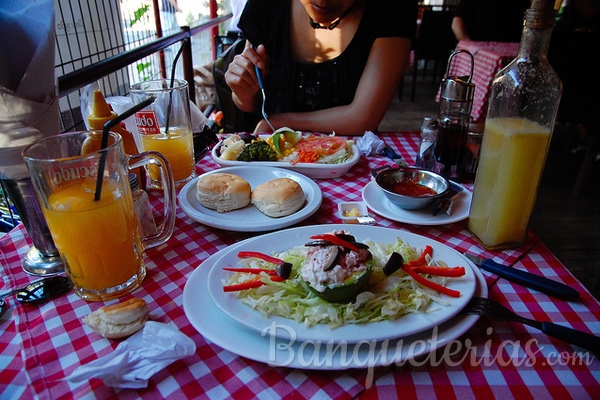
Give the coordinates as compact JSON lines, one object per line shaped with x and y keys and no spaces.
{"x":490,"y":308}
{"x":262,"y":91}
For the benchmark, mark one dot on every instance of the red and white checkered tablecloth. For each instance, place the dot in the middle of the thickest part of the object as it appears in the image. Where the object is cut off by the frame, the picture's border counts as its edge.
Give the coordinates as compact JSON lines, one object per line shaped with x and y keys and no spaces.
{"x":40,"y":345}
{"x":490,"y":58}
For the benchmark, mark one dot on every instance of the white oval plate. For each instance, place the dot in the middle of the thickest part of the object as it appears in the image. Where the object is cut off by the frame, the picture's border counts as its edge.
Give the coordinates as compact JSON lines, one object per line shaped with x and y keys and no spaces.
{"x":404,"y":326}
{"x":223,"y":331}
{"x":315,"y":171}
{"x":249,"y":219}
{"x":379,"y":203}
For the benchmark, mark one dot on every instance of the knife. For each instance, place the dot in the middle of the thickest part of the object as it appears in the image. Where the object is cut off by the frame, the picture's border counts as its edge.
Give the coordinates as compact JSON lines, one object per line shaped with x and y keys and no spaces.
{"x":397,"y":158}
{"x":525,"y":278}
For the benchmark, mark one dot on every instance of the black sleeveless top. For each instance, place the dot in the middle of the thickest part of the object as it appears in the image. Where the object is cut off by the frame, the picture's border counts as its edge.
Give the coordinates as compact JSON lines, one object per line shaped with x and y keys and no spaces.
{"x":296,"y":86}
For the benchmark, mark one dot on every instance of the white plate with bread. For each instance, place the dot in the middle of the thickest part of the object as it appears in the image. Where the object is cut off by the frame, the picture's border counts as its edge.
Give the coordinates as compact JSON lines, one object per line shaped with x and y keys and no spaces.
{"x":250,"y":199}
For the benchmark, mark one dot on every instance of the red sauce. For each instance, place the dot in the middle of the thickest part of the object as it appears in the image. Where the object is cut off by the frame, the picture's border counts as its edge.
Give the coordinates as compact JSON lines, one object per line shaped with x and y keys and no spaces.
{"x":410,"y":188}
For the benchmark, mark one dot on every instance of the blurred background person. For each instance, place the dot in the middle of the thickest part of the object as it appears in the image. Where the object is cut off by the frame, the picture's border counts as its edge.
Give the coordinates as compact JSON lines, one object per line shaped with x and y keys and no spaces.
{"x":490,"y":20}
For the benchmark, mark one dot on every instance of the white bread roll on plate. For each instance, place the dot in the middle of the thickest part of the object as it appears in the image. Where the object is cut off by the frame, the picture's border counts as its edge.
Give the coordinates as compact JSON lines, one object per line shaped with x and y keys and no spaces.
{"x":223,"y":192}
{"x":119,"y":320}
{"x":278,"y":197}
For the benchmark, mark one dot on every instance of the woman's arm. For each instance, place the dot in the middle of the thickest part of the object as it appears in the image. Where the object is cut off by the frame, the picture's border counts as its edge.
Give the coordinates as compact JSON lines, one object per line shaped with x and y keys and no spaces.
{"x":459,"y":29}
{"x":241,"y":78}
{"x":375,"y":91}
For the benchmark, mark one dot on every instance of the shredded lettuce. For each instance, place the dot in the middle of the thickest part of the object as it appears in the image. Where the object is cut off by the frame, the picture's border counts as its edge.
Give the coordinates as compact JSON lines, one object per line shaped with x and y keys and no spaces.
{"x":385,"y":298}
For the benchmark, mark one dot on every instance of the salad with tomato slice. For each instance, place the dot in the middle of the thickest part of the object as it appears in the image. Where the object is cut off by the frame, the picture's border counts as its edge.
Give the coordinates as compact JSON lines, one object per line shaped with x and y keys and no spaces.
{"x":288,"y":146}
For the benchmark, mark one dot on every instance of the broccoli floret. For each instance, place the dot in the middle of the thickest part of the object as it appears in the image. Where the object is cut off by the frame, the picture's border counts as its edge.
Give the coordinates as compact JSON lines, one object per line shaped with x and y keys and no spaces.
{"x":259,"y":150}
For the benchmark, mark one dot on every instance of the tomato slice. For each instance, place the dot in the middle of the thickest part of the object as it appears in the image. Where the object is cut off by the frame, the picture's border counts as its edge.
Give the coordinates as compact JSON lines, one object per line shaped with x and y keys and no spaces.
{"x":321,"y":145}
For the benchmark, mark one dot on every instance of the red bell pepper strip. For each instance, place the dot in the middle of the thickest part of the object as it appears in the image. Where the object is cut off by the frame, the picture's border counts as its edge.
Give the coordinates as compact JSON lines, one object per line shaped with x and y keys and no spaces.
{"x":453,"y":272}
{"x":264,"y":257}
{"x":422,"y":258}
{"x":252,"y":270}
{"x":335,"y":240}
{"x":251,"y":284}
{"x":429,"y":284}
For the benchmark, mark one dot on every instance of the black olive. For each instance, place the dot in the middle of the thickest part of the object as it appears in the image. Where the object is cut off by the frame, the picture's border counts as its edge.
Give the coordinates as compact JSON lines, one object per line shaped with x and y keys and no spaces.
{"x":247,"y":137}
{"x":393,"y":264}
{"x":284,"y":270}
{"x":319,"y":243}
{"x":334,"y":258}
{"x":347,"y":238}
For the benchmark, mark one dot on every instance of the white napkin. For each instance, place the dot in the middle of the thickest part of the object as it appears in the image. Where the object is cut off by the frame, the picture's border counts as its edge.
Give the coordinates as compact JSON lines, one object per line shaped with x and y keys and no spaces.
{"x":28,"y":99}
{"x":136,"y":359}
{"x":369,"y":144}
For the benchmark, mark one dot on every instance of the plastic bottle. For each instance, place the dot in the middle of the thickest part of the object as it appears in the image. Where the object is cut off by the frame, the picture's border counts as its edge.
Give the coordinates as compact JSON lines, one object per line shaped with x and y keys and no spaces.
{"x":102,"y":113}
{"x":524,"y":101}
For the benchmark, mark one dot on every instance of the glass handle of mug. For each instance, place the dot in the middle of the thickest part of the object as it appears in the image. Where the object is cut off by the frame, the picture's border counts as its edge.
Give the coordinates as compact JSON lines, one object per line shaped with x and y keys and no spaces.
{"x":167,"y":225}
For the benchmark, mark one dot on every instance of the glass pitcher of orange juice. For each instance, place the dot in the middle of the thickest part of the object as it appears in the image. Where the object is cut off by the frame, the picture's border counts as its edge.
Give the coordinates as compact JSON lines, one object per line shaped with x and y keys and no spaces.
{"x":92,"y":220}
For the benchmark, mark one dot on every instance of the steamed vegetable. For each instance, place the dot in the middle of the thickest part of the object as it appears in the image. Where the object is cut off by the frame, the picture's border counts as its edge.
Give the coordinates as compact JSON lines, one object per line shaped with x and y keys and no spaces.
{"x":259,"y":150}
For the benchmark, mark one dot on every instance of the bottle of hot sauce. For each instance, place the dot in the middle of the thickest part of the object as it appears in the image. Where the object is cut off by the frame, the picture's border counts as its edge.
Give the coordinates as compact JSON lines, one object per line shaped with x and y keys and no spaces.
{"x":102,"y":113}
{"x":524,"y":101}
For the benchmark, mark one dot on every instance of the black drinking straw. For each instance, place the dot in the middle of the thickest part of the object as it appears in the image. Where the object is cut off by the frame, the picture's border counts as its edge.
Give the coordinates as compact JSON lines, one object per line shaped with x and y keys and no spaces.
{"x":169,"y":105}
{"x":107,"y":127}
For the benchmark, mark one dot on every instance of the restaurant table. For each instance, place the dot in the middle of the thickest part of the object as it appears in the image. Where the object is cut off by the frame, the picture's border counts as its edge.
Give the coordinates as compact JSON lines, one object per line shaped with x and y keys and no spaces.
{"x":490,"y":58}
{"x":41,"y":345}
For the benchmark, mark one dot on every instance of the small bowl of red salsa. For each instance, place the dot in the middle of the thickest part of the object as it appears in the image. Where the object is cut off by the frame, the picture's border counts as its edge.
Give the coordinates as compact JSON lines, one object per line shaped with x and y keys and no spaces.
{"x":412,"y":188}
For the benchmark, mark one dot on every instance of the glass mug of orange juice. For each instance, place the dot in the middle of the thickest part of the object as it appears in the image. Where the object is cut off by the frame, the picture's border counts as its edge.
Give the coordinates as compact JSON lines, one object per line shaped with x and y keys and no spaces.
{"x":165,"y":126}
{"x":92,"y":222}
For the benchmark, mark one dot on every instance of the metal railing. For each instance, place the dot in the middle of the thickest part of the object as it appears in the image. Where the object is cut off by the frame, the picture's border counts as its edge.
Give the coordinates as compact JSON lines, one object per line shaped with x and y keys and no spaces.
{"x":75,"y":80}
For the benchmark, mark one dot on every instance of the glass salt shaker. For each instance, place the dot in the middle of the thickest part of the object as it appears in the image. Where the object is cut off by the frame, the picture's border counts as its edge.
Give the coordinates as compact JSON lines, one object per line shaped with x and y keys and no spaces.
{"x":425,"y":157}
{"x":141,"y":204}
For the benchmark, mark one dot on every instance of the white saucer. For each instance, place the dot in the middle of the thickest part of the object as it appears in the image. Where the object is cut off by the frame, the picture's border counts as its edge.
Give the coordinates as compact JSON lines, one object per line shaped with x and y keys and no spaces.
{"x":379,"y":203}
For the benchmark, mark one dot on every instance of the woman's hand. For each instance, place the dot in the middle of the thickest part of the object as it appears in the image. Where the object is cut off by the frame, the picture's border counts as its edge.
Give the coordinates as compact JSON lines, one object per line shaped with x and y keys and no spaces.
{"x":241,"y":77}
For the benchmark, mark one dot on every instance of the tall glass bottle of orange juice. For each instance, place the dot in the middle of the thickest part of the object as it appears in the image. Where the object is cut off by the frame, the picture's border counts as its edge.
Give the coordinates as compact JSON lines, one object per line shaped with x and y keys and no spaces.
{"x":523,"y":104}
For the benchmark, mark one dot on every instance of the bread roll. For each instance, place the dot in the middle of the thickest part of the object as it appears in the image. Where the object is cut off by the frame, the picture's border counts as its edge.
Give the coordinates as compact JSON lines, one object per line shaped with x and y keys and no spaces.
{"x":223,"y":192}
{"x":119,"y":320}
{"x":278,"y":197}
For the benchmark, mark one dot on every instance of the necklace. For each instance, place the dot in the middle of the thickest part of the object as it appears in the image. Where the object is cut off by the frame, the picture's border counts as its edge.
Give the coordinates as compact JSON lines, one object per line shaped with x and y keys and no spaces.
{"x":336,"y":22}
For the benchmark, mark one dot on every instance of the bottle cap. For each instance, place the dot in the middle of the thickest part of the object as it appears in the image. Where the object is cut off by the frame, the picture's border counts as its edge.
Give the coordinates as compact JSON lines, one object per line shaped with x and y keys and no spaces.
{"x":133,"y":182}
{"x":102,"y":112}
{"x":541,"y":14}
{"x":458,"y":88}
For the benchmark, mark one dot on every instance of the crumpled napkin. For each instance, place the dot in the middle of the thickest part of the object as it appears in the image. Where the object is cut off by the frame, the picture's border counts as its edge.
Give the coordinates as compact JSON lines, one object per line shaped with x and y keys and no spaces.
{"x":28,"y":96}
{"x":136,"y":359}
{"x":370,"y":144}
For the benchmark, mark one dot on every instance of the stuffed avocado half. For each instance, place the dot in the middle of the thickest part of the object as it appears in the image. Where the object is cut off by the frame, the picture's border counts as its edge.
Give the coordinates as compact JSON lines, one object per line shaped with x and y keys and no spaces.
{"x":337,"y":268}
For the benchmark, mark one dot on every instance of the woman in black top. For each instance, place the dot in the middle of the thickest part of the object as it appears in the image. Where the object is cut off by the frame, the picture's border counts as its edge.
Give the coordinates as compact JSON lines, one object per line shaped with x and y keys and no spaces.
{"x":329,"y":65}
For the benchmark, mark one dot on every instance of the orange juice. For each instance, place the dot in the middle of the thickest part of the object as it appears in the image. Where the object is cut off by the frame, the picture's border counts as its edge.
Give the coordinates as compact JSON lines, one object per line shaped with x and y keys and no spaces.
{"x":507,"y":180}
{"x":177,"y":147}
{"x":98,"y":241}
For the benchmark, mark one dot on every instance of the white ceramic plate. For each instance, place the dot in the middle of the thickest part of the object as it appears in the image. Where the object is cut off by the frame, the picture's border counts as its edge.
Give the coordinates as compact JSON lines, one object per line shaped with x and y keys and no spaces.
{"x":404,"y":326}
{"x":379,"y":203}
{"x":249,"y":219}
{"x":223,"y":331}
{"x":315,"y":171}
